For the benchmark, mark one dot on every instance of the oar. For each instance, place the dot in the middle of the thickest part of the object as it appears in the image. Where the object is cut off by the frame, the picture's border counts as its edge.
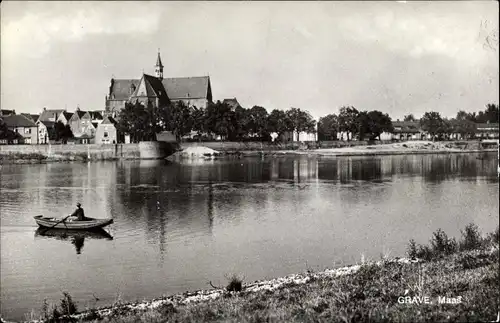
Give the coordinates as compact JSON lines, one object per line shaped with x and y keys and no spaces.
{"x":56,"y":224}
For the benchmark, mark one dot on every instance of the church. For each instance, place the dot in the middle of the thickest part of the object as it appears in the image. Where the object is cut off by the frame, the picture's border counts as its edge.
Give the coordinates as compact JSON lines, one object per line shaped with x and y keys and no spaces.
{"x":193,"y":91}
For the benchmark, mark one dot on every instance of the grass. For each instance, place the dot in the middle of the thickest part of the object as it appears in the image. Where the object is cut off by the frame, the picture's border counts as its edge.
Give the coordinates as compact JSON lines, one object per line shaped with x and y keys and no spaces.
{"x":467,"y":269}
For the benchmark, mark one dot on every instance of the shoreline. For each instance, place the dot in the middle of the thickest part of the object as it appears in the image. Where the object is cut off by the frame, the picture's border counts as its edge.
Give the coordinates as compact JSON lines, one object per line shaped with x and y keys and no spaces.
{"x":479,"y":266}
{"x":253,"y":153}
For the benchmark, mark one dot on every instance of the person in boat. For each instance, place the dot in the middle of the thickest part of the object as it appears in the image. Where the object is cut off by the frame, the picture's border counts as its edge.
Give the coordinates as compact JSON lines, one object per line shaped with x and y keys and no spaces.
{"x":79,"y":215}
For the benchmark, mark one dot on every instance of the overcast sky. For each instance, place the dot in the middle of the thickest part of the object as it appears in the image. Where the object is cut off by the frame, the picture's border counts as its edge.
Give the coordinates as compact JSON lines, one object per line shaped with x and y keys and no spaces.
{"x":395,"y":57}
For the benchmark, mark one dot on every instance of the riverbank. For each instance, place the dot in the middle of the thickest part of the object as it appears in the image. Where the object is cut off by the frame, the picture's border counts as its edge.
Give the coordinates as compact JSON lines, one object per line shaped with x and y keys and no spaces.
{"x":403,"y":148}
{"x":447,"y":280}
{"x":11,"y":154}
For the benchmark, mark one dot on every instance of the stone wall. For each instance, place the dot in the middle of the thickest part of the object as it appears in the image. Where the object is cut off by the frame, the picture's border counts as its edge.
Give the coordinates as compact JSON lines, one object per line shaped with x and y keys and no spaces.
{"x":93,"y":152}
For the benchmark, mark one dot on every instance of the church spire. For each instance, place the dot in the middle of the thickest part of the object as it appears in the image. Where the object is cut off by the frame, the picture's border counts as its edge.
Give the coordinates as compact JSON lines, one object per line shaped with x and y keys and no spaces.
{"x":159,"y":67}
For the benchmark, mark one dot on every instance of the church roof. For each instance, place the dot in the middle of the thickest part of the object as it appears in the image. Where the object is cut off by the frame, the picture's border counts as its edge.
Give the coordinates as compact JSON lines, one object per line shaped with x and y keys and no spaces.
{"x":176,"y":87}
{"x":121,"y":88}
{"x":17,"y":120}
{"x":150,"y":87}
{"x":187,"y":87}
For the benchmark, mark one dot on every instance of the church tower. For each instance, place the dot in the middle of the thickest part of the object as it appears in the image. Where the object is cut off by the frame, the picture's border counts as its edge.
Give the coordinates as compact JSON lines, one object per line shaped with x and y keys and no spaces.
{"x":159,"y":67}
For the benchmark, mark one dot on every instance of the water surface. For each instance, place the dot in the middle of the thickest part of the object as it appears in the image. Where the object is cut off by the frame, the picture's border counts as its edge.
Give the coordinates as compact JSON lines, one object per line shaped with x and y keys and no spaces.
{"x":178,"y":226}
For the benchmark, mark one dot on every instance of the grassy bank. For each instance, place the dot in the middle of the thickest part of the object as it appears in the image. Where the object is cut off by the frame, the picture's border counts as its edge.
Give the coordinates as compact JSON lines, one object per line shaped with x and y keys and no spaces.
{"x":446,"y":280}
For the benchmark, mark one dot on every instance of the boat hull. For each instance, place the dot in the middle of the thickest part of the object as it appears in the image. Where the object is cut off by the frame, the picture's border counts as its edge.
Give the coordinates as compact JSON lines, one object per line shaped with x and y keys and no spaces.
{"x":72,"y":225}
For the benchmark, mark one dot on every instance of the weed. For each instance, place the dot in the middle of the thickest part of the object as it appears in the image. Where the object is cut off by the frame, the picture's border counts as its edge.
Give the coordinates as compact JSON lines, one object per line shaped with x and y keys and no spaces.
{"x":471,"y":238}
{"x":411,"y":250}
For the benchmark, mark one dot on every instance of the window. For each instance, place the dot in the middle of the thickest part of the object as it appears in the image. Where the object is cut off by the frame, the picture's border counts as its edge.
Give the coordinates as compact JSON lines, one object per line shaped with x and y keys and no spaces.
{"x":27,"y":130}
{"x":105,"y":134}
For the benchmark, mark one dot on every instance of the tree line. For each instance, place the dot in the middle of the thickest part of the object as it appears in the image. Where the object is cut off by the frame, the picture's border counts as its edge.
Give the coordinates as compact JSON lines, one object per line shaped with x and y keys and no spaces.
{"x":218,"y":119}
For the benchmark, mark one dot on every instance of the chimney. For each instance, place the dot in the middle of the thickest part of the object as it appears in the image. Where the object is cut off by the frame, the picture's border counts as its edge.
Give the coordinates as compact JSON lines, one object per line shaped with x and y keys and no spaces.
{"x":44,"y":109}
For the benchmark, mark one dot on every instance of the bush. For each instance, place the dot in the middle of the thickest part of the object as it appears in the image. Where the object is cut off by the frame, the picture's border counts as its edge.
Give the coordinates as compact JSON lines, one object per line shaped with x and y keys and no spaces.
{"x":441,"y":244}
{"x":68,"y":307}
{"x":235,"y":284}
{"x":411,"y":250}
{"x":471,"y":238}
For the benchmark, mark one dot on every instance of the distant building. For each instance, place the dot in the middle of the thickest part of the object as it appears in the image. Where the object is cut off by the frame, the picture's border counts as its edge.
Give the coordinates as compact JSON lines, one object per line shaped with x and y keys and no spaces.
{"x":193,"y":91}
{"x":82,"y":127}
{"x":46,"y":131}
{"x":106,"y":132}
{"x":33,"y":117}
{"x":50,"y":114}
{"x":24,"y":127}
{"x":232,"y":103}
{"x":487,"y":130}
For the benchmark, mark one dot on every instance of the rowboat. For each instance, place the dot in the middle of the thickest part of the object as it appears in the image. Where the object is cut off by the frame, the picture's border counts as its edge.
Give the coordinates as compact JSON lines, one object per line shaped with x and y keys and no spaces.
{"x":70,"y":224}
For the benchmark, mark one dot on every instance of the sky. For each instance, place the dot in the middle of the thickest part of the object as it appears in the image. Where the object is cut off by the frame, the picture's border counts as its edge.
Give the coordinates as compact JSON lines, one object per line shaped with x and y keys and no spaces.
{"x":396,"y":57}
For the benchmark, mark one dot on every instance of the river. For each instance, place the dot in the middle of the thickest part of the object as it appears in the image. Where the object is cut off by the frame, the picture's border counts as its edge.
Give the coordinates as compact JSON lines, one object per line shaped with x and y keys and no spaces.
{"x":178,"y":226}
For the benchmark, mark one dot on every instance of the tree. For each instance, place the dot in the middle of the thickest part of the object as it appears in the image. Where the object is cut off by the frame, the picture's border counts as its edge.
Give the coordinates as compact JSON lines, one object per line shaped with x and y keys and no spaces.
{"x":178,"y":118}
{"x":279,"y":122}
{"x":198,"y":117}
{"x":373,"y":124}
{"x":220,"y":120}
{"x":348,"y":121}
{"x":242,"y":120}
{"x":300,"y":121}
{"x":433,"y":124}
{"x":5,"y":132}
{"x":491,"y":113}
{"x":62,"y":132}
{"x":409,"y":117}
{"x":140,"y":122}
{"x":463,"y":126}
{"x":328,"y":127}
{"x":257,"y":121}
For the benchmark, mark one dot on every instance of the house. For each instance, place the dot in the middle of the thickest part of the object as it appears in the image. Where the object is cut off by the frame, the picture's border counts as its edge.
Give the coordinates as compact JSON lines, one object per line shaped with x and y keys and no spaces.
{"x":81,"y":123}
{"x":487,"y":130}
{"x":193,"y":91}
{"x":407,"y":130}
{"x":50,"y":115}
{"x":23,"y":126}
{"x":107,"y":132}
{"x":46,"y":131}
{"x":64,"y":117}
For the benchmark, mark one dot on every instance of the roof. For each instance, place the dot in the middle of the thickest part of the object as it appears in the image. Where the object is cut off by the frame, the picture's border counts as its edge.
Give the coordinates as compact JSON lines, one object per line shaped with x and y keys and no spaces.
{"x":149,"y":86}
{"x":48,"y":124}
{"x":95,"y":124}
{"x":46,"y":114}
{"x":487,"y":126}
{"x":67,"y":114}
{"x":406,"y":126}
{"x":120,"y":89}
{"x":95,"y":115}
{"x":17,"y":120}
{"x":5,"y":112}
{"x":187,"y":87}
{"x":177,"y":87}
{"x":109,"y":120}
{"x":33,"y":117}
{"x":232,"y":103}
{"x":79,"y":113}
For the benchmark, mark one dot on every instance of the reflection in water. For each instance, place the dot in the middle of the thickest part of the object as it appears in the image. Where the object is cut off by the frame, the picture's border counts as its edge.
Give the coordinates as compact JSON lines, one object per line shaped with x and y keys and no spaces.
{"x":179,"y":225}
{"x":76,"y":237}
